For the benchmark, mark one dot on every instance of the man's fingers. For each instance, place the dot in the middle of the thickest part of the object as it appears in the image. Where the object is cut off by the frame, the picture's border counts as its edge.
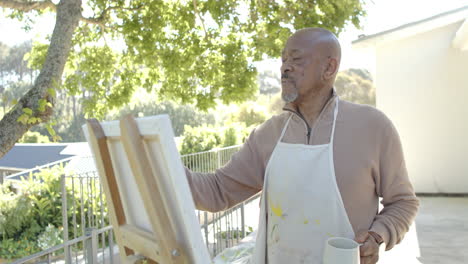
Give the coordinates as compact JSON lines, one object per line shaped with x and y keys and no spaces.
{"x":370,"y":259}
{"x":361,"y":236}
{"x":369,"y":248}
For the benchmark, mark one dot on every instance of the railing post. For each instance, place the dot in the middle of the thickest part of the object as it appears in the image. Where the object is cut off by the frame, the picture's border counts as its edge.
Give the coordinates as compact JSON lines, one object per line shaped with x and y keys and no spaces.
{"x":65,"y":219}
{"x":111,"y":246}
{"x":205,"y":226}
{"x":243,"y":220}
{"x":91,"y":246}
{"x":219,"y":158}
{"x":94,"y":245}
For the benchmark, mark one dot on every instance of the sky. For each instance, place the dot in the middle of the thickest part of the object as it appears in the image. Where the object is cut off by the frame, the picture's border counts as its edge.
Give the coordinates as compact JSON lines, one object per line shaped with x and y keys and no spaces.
{"x":381,"y":15}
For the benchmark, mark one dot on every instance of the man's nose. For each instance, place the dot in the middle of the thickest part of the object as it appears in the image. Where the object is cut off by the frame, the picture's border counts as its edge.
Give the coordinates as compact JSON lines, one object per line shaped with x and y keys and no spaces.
{"x":286,"y":67}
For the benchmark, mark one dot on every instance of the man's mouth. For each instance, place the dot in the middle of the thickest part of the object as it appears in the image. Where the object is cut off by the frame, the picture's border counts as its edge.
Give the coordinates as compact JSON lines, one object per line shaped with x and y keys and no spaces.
{"x":285,"y":78}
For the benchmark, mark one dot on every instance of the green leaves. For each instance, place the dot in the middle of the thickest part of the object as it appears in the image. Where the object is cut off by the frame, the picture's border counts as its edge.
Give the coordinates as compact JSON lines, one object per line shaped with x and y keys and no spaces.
{"x":355,"y":85}
{"x":193,"y":52}
{"x":27,"y":111}
{"x":42,"y":104}
{"x":37,"y":56}
{"x":31,"y":220}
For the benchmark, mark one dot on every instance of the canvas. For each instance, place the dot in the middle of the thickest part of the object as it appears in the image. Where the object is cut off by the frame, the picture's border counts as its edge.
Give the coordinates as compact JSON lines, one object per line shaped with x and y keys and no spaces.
{"x":149,"y":199}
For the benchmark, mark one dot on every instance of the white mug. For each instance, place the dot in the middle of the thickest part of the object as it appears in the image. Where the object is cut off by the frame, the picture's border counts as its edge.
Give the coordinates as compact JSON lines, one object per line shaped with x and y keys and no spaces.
{"x":340,"y":250}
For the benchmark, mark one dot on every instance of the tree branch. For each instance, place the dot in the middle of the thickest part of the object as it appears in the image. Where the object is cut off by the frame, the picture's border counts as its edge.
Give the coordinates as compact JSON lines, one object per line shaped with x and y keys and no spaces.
{"x":27,"y":6}
{"x":101,"y":19}
{"x":11,"y":129}
{"x":95,"y":21}
{"x":195,"y":8}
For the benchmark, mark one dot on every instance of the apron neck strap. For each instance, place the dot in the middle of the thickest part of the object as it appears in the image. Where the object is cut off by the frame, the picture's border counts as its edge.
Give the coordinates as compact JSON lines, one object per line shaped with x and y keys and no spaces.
{"x":284,"y":129}
{"x":335,"y":114}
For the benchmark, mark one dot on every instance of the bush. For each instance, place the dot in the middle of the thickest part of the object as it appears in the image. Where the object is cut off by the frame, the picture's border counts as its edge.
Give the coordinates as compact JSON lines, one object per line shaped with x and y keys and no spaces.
{"x":34,"y":137}
{"x":51,"y":236}
{"x":205,"y":138}
{"x":17,"y":248}
{"x":31,"y":220}
{"x":199,"y":139}
{"x":355,"y":85}
{"x":250,"y":114}
{"x":181,"y":115}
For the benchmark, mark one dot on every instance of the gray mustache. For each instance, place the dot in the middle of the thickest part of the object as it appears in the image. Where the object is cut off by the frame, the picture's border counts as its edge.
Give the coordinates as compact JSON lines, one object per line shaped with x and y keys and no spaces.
{"x":284,"y":76}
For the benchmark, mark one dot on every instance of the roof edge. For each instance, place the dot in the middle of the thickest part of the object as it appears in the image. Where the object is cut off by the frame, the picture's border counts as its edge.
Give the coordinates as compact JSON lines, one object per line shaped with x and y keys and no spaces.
{"x":409,"y":25}
{"x":460,"y":41}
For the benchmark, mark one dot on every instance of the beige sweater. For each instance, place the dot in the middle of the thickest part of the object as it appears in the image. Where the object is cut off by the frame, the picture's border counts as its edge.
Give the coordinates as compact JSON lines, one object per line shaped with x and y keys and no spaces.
{"x":368,"y":158}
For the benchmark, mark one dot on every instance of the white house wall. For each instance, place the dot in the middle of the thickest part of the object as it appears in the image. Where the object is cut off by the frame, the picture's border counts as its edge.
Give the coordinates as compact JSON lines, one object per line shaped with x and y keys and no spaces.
{"x":422,"y":85}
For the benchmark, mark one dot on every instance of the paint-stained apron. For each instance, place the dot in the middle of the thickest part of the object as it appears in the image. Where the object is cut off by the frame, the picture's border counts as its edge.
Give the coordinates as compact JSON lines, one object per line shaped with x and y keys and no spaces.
{"x":301,"y":205}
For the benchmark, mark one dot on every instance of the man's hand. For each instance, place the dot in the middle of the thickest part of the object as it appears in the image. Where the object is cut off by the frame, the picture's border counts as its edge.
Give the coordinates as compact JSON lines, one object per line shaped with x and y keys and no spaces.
{"x":370,"y":249}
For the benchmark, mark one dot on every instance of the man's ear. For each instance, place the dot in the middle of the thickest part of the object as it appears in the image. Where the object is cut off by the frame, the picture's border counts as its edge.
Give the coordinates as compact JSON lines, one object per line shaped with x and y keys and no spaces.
{"x":331,"y":69}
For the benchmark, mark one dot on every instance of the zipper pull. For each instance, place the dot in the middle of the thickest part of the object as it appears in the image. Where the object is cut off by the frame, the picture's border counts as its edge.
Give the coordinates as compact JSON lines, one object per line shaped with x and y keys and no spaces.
{"x":309,"y":131}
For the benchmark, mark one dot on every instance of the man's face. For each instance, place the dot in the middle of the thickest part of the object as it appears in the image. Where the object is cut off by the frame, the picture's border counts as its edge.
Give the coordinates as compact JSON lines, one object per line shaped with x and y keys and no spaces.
{"x":300,"y":69}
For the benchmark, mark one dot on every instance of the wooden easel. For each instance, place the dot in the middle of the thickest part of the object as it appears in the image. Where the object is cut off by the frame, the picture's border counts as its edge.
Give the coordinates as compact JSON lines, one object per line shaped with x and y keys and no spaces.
{"x":159,"y":247}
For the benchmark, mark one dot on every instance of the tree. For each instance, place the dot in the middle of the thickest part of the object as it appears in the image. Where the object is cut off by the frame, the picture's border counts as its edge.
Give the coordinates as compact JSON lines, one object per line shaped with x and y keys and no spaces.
{"x":181,"y":115}
{"x":15,"y":76}
{"x":355,"y":85}
{"x":269,"y":82}
{"x":191,"y":51}
{"x":14,"y":64}
{"x":34,"y":137}
{"x":250,"y":114}
{"x":4,"y":52}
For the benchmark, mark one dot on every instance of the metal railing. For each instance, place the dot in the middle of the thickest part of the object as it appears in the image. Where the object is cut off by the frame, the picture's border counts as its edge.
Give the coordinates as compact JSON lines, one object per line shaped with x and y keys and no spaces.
{"x":209,"y":161}
{"x":88,"y":236}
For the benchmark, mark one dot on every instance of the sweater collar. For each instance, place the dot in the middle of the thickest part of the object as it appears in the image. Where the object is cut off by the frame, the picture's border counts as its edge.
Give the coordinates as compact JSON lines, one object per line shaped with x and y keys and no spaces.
{"x":291,"y":108}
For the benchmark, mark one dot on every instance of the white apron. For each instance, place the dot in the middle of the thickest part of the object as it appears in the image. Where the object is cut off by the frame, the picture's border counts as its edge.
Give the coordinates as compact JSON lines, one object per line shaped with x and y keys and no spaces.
{"x":301,"y":205}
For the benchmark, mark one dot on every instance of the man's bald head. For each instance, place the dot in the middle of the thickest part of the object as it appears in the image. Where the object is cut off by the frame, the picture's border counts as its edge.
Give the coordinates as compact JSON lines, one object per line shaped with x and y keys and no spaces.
{"x":311,"y":59}
{"x":321,"y":40}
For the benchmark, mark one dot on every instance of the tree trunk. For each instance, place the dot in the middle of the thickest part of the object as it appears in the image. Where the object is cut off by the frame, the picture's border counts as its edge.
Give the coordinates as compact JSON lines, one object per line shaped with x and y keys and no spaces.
{"x":74,"y":106}
{"x":68,"y":16}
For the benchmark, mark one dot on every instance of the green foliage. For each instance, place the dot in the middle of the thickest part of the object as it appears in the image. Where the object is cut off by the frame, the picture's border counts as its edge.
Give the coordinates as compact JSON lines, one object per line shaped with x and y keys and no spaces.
{"x":355,"y":85}
{"x":33,"y":137}
{"x":12,"y":63}
{"x":199,"y":139}
{"x":31,"y":219}
{"x":15,"y":212}
{"x":36,"y":57}
{"x":250,"y":114}
{"x":52,"y":236}
{"x":204,"y":138}
{"x":233,"y":234}
{"x":181,"y":115}
{"x":269,"y":82}
{"x":17,"y":248}
{"x":230,"y":137}
{"x":275,"y":105}
{"x":192,"y":52}
{"x":71,"y":131}
{"x":11,"y":93}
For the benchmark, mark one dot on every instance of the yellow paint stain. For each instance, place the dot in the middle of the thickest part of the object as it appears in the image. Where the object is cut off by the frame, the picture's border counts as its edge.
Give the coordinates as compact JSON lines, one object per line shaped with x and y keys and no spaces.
{"x":330,"y":235}
{"x":317,"y":222}
{"x":275,"y":209}
{"x":306,"y":222}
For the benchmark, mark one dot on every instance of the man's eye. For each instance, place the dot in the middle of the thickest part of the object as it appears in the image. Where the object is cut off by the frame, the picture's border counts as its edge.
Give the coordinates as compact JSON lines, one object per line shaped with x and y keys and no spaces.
{"x":296,"y":59}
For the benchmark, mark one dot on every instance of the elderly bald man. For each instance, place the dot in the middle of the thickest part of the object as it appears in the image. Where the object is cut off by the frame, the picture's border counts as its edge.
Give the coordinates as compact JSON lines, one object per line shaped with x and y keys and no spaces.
{"x":322,"y":165}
